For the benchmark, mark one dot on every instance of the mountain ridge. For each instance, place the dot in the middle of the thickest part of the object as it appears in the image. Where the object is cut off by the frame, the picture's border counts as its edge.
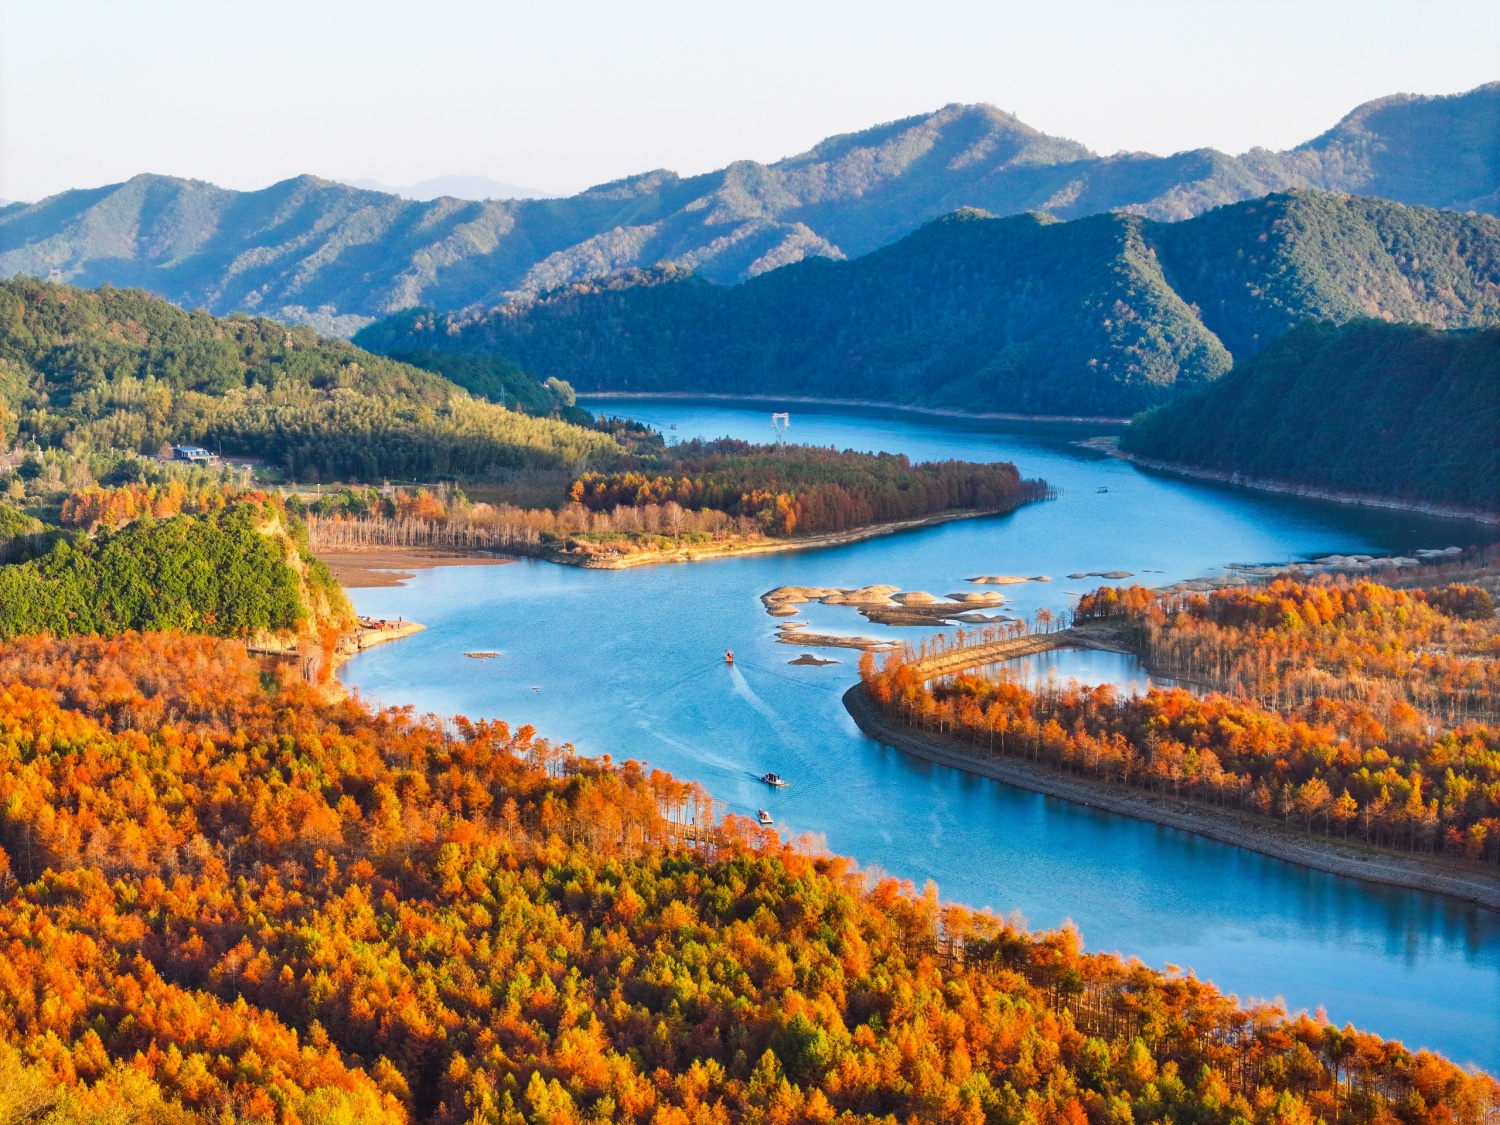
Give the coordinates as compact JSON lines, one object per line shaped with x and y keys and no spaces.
{"x":453,"y":186}
{"x":315,"y":251}
{"x":1105,"y":315}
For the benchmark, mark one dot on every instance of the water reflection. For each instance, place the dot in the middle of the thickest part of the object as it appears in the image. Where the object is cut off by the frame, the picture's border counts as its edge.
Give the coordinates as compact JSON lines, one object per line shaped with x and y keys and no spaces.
{"x":1088,"y":667}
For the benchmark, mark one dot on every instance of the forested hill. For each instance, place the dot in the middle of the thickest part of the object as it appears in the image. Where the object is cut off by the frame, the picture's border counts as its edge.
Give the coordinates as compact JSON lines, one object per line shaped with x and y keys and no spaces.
{"x":1394,"y":410}
{"x":315,"y":251}
{"x":228,"y":899}
{"x":119,"y":369}
{"x":1105,"y":315}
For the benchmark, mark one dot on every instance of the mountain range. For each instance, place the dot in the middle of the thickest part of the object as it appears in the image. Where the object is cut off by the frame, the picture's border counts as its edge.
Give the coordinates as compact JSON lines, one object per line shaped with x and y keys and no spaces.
{"x":337,"y":256}
{"x":457,"y":187}
{"x":1103,"y":316}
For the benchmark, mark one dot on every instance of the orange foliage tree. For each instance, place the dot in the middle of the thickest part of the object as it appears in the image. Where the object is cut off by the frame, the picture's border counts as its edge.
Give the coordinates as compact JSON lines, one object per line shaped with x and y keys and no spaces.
{"x":232,"y":898}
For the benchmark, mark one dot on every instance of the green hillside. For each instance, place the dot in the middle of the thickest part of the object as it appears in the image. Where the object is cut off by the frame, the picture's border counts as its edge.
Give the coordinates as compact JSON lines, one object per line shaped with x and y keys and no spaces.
{"x":1024,"y":314}
{"x":237,"y":572}
{"x":309,"y":250}
{"x":1435,"y":151}
{"x":1255,"y":269}
{"x":1394,"y":410}
{"x":117,"y":369}
{"x":1100,"y":316}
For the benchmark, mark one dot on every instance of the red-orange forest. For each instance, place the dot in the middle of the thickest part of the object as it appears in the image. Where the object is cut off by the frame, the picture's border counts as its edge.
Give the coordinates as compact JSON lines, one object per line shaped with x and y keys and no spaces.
{"x":1339,"y":706}
{"x":230,"y":898}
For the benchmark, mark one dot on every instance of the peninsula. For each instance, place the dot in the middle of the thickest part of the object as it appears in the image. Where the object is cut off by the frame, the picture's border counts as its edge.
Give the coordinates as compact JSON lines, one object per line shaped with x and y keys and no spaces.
{"x":1389,"y":777}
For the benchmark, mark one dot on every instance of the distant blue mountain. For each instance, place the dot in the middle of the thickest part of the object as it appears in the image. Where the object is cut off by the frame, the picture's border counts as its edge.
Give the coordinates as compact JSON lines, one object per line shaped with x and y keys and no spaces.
{"x":337,"y":256}
{"x":456,"y":187}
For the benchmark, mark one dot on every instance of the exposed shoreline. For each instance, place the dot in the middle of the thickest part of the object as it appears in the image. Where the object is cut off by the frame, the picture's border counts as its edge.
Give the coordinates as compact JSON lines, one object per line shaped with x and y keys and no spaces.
{"x":767,"y":546}
{"x":810,"y":400}
{"x":359,"y":640}
{"x":1350,"y":858}
{"x":1287,"y":488}
{"x":363,"y":568}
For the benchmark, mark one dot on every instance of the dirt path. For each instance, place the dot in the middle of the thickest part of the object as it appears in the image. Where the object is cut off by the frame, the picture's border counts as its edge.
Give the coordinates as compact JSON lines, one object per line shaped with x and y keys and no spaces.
{"x":1458,"y":879}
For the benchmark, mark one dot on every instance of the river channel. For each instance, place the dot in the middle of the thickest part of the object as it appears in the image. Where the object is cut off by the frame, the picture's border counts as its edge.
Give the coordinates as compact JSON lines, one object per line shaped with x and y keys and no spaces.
{"x":630,"y":663}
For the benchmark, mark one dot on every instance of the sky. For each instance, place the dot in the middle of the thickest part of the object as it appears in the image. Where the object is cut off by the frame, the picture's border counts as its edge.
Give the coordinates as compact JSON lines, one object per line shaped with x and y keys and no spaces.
{"x":562,"y":94}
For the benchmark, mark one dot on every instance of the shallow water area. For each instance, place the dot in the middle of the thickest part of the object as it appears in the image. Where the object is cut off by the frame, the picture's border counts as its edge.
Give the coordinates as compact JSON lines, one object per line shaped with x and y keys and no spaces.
{"x":630,"y":663}
{"x":1087,"y":667}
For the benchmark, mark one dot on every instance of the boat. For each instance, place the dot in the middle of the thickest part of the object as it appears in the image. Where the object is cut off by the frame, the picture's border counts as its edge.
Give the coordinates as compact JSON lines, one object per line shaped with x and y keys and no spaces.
{"x":773,"y":779}
{"x":483,"y":654}
{"x":729,"y":657}
{"x":764,"y":818}
{"x":1101,"y":490}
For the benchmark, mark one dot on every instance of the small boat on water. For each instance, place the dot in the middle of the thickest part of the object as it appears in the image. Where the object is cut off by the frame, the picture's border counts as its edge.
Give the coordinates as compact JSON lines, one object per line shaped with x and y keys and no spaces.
{"x":773,"y":779}
{"x":764,"y":818}
{"x":1101,"y":490}
{"x":483,"y":654}
{"x":729,"y":657}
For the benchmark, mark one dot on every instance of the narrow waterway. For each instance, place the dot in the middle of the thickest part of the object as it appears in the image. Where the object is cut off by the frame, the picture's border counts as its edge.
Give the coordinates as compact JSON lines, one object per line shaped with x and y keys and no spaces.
{"x":629,"y":663}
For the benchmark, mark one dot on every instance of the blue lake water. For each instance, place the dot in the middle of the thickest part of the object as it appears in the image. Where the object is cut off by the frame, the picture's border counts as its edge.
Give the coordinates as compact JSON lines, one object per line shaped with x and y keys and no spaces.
{"x":1089,"y":667}
{"x":629,"y":663}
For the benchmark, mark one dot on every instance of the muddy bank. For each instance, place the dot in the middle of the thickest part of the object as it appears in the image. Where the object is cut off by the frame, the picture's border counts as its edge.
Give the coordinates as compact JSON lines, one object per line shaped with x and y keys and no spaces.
{"x":1227,"y":826}
{"x":866,"y":404}
{"x":395,"y":566}
{"x":369,"y":633}
{"x":1111,"y":446}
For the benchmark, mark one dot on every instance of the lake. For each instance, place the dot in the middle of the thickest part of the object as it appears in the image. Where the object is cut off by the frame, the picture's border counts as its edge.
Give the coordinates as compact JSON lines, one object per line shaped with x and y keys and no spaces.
{"x":630,"y":663}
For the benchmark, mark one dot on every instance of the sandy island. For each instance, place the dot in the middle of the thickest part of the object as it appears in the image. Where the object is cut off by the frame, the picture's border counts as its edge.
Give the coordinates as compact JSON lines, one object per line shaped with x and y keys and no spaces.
{"x":1352,"y":858}
{"x":362,"y":568}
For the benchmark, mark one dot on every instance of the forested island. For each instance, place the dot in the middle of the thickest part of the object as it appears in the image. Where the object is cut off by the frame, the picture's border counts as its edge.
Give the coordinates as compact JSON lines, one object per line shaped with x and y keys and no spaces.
{"x":1339,"y":707}
{"x":693,"y":500}
{"x":1371,"y":410}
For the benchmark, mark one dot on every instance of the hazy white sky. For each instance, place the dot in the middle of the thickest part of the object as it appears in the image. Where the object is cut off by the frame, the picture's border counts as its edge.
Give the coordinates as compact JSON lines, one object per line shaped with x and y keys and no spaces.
{"x":559,"y":94}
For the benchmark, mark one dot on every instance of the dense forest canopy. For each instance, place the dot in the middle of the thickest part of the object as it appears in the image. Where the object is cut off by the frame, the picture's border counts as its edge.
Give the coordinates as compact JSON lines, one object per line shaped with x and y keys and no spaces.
{"x":117,"y":369}
{"x":1393,"y":410}
{"x":227,"y":898}
{"x":1100,"y":316}
{"x":804,"y":490}
{"x":237,"y":569}
{"x":722,"y":495}
{"x":312,"y":251}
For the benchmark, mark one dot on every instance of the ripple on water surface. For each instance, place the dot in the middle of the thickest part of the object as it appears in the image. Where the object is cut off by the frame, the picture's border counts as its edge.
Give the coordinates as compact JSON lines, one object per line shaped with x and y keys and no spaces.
{"x":630,"y":663}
